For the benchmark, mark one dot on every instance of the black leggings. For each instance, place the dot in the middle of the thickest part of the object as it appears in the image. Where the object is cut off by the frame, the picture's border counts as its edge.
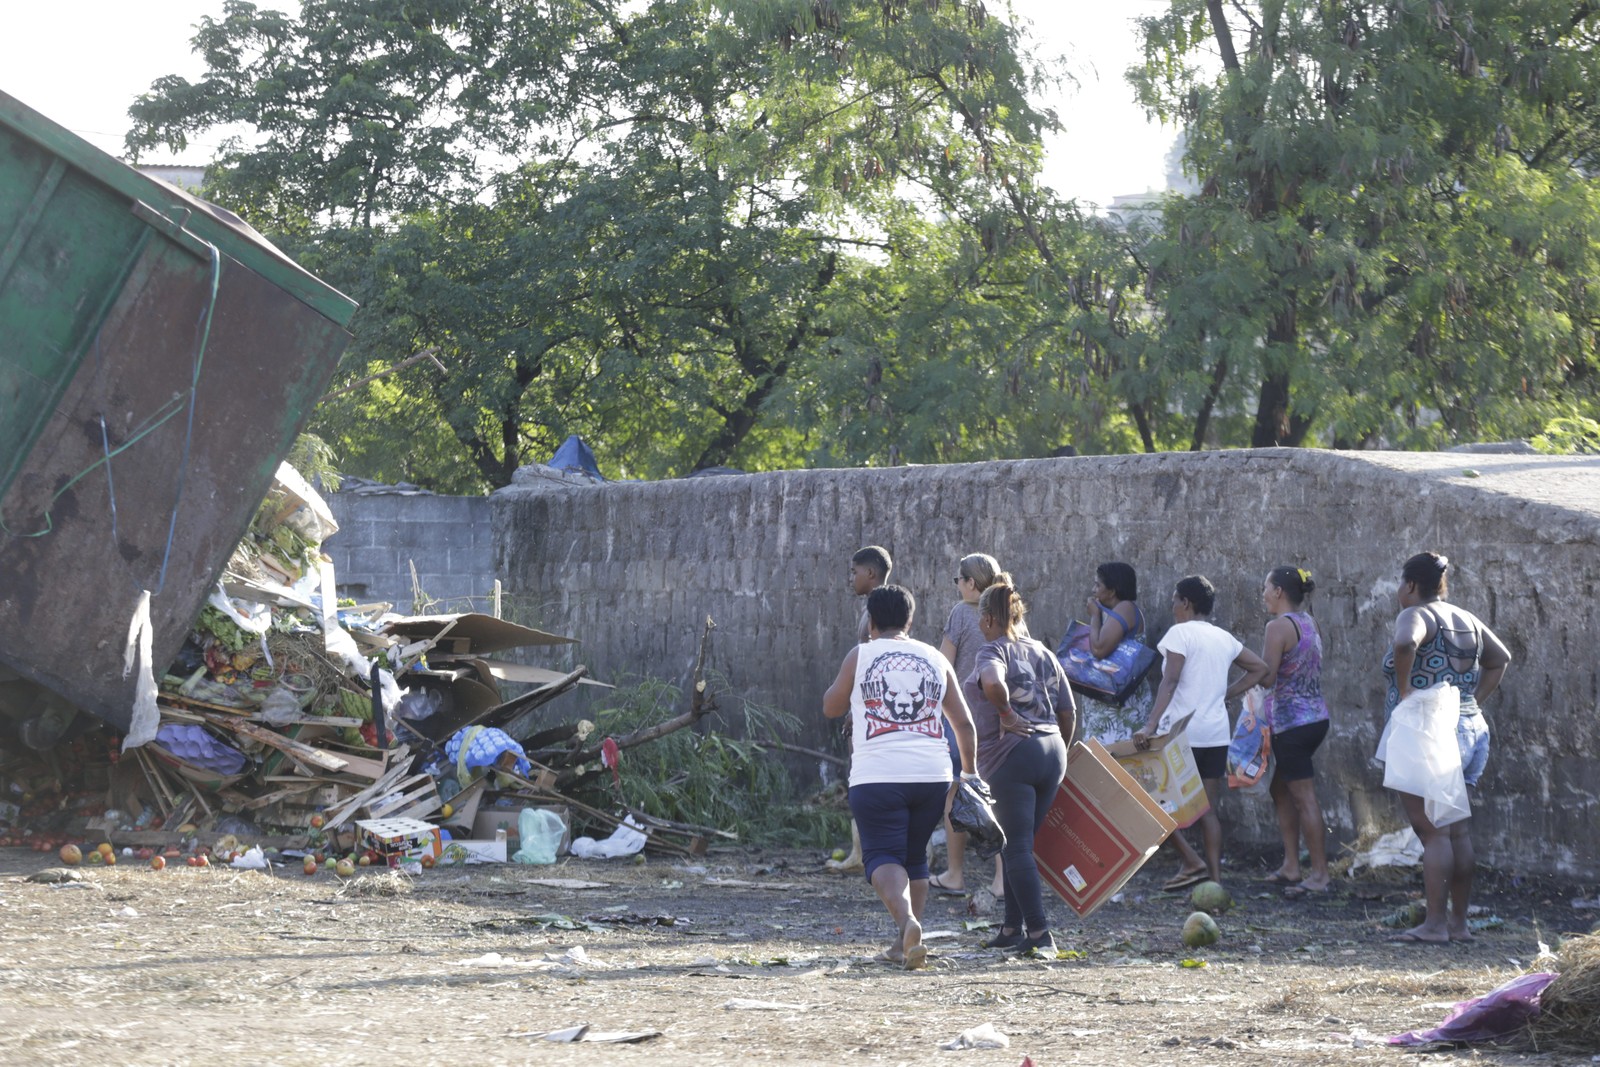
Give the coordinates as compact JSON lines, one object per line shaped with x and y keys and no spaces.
{"x":1024,"y":788}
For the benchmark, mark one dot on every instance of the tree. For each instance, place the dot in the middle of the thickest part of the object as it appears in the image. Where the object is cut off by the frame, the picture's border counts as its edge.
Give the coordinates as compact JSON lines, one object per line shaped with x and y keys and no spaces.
{"x":660,"y":226}
{"x":1395,"y":224}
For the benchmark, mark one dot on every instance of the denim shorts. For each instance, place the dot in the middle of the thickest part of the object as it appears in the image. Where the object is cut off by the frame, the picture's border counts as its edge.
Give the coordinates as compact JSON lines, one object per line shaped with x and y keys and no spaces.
{"x":1472,"y":737}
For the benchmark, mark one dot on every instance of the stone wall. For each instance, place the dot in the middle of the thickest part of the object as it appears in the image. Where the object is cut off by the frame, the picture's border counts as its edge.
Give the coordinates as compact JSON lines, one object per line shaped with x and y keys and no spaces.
{"x":633,"y":569}
{"x":382,"y":532}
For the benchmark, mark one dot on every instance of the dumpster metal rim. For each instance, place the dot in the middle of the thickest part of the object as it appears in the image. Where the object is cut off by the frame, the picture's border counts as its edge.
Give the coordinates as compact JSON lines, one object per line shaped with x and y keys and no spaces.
{"x":231,"y":234}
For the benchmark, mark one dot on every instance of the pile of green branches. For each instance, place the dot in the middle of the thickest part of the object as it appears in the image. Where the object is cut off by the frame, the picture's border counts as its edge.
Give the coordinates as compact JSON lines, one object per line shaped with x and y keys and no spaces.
{"x":714,"y":774}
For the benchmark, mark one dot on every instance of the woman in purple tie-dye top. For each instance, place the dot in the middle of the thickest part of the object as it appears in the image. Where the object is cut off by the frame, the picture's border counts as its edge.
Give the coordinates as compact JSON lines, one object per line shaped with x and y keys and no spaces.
{"x":1292,"y":649}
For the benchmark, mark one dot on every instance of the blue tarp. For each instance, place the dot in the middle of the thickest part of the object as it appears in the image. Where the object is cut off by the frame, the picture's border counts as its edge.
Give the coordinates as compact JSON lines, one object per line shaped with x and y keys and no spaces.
{"x":574,"y":455}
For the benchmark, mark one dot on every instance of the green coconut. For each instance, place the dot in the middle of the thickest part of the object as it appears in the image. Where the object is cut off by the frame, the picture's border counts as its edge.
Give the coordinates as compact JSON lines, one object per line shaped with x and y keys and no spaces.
{"x":1200,"y":929}
{"x":1211,"y":898}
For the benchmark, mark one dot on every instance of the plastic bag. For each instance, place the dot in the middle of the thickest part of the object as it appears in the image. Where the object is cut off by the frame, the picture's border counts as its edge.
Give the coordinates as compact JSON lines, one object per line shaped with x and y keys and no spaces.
{"x":1420,"y":754}
{"x":281,"y":707}
{"x":625,"y":840}
{"x":1250,"y":753}
{"x":972,"y":813}
{"x":541,"y":831}
{"x":1113,"y":679}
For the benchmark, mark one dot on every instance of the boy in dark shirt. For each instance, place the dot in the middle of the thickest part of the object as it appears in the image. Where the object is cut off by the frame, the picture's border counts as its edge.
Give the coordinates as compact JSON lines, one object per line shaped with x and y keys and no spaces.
{"x":869,"y":568}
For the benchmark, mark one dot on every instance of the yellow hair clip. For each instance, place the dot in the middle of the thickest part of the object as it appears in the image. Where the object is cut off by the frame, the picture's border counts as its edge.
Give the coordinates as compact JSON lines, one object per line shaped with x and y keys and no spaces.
{"x":1305,"y":575}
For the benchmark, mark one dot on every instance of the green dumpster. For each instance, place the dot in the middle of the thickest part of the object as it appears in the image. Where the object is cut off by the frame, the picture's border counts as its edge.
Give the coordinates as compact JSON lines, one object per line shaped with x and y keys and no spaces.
{"x":157,"y":359}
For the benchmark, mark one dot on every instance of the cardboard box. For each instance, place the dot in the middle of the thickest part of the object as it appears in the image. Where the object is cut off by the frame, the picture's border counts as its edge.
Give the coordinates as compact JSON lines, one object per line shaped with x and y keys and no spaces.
{"x":1100,"y":830}
{"x":399,"y":842}
{"x":488,"y":820}
{"x":1168,"y":773}
{"x":463,"y":852}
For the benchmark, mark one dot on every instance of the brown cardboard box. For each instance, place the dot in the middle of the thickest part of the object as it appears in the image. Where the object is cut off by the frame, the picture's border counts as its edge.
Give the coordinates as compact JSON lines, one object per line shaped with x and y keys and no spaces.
{"x":1100,"y":830}
{"x":1168,"y":773}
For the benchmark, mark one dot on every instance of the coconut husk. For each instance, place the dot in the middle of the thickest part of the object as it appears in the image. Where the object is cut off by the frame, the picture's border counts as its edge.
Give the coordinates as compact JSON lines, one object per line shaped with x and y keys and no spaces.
{"x":1569,"y":1007}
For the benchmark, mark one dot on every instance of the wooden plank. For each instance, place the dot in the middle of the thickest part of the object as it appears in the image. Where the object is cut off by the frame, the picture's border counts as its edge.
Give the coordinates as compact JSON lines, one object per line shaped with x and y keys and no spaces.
{"x":350,"y":806}
{"x":306,"y":753}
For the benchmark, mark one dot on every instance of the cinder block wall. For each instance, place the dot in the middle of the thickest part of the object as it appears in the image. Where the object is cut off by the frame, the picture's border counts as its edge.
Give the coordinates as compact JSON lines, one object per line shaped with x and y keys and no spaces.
{"x":381,"y":534}
{"x":633,"y":569}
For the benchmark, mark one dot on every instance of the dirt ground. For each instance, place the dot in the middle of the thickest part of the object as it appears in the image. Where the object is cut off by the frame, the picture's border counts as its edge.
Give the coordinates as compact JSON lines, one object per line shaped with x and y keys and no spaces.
{"x":750,"y":956}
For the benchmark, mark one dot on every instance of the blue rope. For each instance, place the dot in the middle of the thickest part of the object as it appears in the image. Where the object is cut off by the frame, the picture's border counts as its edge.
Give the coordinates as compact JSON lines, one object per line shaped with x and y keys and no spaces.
{"x":194,"y":396}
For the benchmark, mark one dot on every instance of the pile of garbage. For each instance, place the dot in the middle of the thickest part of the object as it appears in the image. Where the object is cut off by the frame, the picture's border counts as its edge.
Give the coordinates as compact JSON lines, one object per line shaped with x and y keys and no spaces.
{"x":291,"y":720}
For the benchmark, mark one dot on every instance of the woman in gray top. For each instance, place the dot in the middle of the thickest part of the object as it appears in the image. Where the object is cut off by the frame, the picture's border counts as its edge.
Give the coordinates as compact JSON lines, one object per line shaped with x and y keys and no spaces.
{"x":962,"y":639}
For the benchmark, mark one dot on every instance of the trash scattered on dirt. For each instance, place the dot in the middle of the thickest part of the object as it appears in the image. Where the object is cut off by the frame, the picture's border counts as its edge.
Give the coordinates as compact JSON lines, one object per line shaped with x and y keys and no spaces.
{"x":588,"y":1036}
{"x":740,"y":1004}
{"x":56,"y":875}
{"x":566,"y":883}
{"x":1569,"y":1015}
{"x":1402,"y":848}
{"x":982,"y":1036}
{"x":1406,"y":916}
{"x":1495,"y":1016}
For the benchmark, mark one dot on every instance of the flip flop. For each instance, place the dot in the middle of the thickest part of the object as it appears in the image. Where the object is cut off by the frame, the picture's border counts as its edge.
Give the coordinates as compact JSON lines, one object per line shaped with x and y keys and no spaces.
{"x":1280,"y":879}
{"x":1184,"y":881}
{"x":1409,"y":938}
{"x":1300,"y":892}
{"x":950,"y":891}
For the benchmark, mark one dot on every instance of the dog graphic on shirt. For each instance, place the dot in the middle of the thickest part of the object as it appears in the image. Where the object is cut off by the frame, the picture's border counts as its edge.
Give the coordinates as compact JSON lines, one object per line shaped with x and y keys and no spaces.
{"x":902,"y":693}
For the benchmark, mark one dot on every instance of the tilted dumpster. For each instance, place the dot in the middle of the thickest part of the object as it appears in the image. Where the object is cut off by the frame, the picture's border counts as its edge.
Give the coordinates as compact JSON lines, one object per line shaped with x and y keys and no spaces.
{"x":157,"y":359}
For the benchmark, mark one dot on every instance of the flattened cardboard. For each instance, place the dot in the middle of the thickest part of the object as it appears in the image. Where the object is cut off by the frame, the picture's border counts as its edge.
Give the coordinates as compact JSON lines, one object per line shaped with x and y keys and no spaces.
{"x":1168,"y":773}
{"x":519,"y":672}
{"x":485,"y":633}
{"x":1099,"y":832}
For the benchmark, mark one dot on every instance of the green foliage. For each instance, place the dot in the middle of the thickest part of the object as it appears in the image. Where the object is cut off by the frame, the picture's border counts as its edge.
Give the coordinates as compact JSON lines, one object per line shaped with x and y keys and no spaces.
{"x":1395,"y":226}
{"x":777,"y":233}
{"x":224,"y":629}
{"x":1568,"y":436}
{"x":315,"y":459}
{"x":706,"y":776}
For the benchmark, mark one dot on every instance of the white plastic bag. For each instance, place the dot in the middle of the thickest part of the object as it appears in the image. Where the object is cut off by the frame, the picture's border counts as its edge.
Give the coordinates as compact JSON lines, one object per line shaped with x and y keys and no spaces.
{"x":1420,"y":755}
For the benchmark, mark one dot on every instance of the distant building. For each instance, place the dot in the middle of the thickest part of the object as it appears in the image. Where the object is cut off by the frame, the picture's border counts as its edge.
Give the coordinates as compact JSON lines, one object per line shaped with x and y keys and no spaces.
{"x":185,"y":177}
{"x":1145,"y":208}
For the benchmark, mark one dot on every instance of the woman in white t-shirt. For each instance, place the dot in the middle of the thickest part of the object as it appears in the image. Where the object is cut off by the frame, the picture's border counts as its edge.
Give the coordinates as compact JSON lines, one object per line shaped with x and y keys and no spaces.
{"x":893,"y":688}
{"x":1194,"y":682}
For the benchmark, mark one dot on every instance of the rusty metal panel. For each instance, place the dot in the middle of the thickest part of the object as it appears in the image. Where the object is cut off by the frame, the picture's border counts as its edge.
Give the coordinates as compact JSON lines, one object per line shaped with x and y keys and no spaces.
{"x":71,"y":566}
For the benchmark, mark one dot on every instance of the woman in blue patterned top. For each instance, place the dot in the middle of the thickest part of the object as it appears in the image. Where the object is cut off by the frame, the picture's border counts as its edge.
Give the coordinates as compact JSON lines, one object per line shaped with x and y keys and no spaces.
{"x":1292,"y":649}
{"x":1437,"y":643}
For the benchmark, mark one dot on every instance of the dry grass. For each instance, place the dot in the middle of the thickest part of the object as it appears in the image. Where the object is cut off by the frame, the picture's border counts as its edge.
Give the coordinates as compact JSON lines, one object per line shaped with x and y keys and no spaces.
{"x":389,"y":884}
{"x":1569,"y":1015}
{"x":1430,"y":986}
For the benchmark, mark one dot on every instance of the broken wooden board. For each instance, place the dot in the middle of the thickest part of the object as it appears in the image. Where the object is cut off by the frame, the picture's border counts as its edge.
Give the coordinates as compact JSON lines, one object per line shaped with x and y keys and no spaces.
{"x":289,"y":747}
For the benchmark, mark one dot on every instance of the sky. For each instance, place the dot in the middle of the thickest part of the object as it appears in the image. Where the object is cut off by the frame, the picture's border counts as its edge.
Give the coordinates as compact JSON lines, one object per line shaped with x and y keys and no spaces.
{"x":83,"y":63}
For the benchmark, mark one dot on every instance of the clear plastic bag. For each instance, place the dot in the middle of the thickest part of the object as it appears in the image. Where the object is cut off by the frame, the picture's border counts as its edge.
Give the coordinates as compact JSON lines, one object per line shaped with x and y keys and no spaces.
{"x":541,"y":831}
{"x":972,"y":813}
{"x":1420,"y":754}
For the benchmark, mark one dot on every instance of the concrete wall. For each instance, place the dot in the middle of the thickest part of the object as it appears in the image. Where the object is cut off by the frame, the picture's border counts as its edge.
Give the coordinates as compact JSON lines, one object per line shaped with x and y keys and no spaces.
{"x":633,"y":569}
{"x":381,"y":533}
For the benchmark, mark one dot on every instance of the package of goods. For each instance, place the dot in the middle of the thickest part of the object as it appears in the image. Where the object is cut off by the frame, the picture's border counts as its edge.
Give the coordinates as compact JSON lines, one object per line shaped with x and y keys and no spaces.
{"x":398,"y":841}
{"x":1101,"y":829}
{"x":1113,"y":679}
{"x":1167,"y":772}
